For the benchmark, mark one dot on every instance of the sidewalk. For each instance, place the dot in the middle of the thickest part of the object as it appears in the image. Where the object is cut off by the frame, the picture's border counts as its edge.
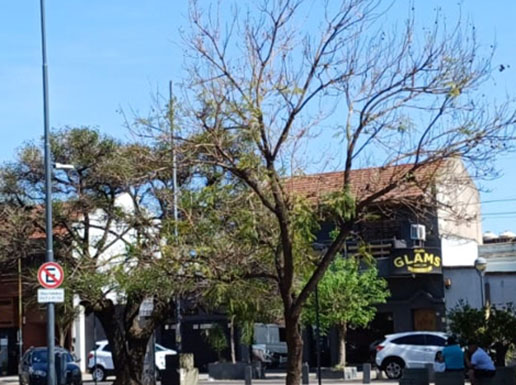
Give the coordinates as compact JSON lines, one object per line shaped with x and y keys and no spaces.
{"x":273,"y":379}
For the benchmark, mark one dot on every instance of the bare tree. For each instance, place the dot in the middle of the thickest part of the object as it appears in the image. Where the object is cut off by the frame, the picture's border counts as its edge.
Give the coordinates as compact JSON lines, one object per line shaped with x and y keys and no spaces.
{"x":266,"y":84}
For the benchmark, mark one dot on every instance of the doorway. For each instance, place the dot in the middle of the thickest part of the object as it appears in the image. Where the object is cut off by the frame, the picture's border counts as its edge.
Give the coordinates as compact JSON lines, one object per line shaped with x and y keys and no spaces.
{"x":424,"y":319}
{"x":8,"y":351}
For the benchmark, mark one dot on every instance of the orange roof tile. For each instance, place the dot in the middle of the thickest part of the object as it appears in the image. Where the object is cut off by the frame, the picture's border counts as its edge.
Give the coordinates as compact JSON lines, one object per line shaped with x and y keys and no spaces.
{"x":366,"y":181}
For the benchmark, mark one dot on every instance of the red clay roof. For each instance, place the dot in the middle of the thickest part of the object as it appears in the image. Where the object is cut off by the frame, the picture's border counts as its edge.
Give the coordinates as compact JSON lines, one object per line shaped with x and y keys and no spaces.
{"x":365,"y":182}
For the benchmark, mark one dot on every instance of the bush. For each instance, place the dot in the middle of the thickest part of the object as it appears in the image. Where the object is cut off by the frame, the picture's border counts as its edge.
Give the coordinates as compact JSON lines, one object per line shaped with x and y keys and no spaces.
{"x":491,"y":327}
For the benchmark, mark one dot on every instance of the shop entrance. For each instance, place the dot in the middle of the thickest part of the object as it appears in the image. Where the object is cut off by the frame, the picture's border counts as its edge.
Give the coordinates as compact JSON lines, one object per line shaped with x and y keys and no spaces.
{"x":8,"y":351}
{"x":424,"y":319}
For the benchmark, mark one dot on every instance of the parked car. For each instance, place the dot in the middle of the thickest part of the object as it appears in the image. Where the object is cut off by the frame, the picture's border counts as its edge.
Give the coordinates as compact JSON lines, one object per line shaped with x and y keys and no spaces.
{"x":102,"y":366}
{"x":34,"y":363}
{"x":408,"y":350}
{"x":373,"y":350}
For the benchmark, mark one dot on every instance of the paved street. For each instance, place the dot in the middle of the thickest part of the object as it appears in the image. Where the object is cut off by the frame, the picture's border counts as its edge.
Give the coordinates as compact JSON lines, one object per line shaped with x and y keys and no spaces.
{"x":271,"y":380}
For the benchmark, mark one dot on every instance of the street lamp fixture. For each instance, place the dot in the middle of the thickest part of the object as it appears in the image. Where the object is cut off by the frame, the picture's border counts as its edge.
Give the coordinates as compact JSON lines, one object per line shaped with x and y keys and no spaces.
{"x":480,"y":266}
{"x":63,"y":166}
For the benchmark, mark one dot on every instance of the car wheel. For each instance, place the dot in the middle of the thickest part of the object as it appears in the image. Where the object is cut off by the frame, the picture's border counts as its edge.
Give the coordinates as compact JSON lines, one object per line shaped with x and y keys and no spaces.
{"x":98,"y":373}
{"x":393,"y":367}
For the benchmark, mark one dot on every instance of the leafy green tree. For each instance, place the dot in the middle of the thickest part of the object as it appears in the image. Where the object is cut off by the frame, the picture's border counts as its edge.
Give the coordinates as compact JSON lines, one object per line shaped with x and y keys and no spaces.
{"x":493,"y":328}
{"x":348,"y":295}
{"x":216,"y":337}
{"x":111,"y":209}
{"x":245,"y":302}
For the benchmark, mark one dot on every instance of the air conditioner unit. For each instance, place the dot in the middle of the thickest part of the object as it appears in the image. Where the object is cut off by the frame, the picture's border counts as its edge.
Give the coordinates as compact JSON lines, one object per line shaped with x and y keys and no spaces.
{"x":418,"y":232}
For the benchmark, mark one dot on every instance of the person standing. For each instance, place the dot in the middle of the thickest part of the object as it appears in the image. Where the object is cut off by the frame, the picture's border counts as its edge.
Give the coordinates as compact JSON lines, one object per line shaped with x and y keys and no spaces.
{"x":453,"y":355}
{"x":479,"y":363}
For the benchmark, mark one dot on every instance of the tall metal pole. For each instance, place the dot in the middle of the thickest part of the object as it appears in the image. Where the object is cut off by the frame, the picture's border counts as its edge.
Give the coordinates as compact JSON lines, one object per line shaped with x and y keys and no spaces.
{"x":20,"y":312}
{"x":482,"y":289}
{"x":51,"y":375}
{"x":94,"y":346}
{"x":317,"y":334}
{"x":179,"y":341}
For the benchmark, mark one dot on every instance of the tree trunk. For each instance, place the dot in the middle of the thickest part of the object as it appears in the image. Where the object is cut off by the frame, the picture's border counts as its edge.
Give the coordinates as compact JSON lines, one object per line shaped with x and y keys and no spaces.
{"x":343,"y":329}
{"x":127,"y":350}
{"x":62,"y":337}
{"x":131,"y":371}
{"x":295,"y":349}
{"x":232,"y":339}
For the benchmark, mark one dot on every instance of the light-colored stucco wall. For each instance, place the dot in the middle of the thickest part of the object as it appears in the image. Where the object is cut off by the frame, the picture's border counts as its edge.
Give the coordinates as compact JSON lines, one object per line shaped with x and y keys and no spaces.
{"x":458,"y":251}
{"x":466,"y":286}
{"x":458,"y":211}
{"x":113,"y":256}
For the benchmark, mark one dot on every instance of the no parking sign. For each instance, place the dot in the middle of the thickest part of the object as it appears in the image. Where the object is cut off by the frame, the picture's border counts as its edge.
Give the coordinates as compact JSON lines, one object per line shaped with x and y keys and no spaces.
{"x":50,"y":276}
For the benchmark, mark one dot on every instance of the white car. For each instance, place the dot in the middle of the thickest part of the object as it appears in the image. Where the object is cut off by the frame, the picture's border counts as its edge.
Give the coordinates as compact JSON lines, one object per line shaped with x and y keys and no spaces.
{"x":102,"y":366}
{"x":408,"y":350}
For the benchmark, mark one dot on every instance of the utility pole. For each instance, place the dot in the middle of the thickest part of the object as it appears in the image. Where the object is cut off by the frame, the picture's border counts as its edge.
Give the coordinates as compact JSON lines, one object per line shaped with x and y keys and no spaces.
{"x":20,"y":312}
{"x":318,"y":334}
{"x":179,"y":341}
{"x":51,"y":374}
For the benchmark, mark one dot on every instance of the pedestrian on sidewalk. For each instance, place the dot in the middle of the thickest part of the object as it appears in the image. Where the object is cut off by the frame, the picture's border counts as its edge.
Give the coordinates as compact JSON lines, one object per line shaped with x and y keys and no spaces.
{"x":479,"y":363}
{"x":453,"y":355}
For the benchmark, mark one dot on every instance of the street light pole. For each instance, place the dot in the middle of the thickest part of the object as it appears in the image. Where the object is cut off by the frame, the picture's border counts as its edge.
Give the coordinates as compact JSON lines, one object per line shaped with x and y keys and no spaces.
{"x":317,"y":334}
{"x":482,"y":289}
{"x":51,"y":375}
{"x":179,"y":340}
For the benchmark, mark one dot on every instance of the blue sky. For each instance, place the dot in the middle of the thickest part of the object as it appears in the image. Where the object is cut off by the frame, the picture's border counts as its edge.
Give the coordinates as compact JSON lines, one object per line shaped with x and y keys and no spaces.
{"x":110,"y":55}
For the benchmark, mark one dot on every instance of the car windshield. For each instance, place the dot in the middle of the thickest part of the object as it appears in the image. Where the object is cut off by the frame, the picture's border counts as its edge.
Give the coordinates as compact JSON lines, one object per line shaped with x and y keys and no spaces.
{"x":39,"y":356}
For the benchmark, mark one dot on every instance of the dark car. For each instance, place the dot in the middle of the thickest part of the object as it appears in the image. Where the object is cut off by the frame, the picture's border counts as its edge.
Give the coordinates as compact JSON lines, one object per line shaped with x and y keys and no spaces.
{"x":33,"y":367}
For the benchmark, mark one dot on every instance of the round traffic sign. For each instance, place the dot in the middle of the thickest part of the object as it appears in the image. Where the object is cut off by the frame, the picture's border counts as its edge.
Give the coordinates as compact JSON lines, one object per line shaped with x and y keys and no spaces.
{"x":50,"y":275}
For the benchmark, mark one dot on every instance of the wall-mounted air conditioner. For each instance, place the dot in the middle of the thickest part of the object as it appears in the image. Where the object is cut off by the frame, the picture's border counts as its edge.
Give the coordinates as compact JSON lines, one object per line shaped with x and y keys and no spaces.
{"x":418,"y":232}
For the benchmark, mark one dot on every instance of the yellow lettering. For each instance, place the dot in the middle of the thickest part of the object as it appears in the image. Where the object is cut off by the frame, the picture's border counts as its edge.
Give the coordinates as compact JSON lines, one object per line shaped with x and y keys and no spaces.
{"x":398,"y":262}
{"x":418,"y":258}
{"x":429,"y":258}
{"x":437,"y":261}
{"x":408,"y":261}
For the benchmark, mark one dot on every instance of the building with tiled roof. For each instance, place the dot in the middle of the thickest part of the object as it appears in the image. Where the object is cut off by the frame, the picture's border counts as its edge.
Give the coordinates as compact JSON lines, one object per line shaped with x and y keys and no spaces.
{"x":428,"y":221}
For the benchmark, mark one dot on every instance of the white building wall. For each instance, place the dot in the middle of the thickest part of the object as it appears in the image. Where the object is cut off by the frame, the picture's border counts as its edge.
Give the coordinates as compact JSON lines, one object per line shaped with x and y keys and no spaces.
{"x":458,"y":212}
{"x":113,"y":256}
{"x":458,"y":251}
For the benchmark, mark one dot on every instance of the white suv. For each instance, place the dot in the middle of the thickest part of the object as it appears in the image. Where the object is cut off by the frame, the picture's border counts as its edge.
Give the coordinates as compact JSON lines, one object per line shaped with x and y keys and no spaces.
{"x":408,"y":350}
{"x":102,"y":366}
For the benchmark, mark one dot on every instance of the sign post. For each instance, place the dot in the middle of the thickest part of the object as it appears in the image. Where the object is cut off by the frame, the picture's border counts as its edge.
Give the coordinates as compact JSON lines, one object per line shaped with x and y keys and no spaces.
{"x":50,"y":276}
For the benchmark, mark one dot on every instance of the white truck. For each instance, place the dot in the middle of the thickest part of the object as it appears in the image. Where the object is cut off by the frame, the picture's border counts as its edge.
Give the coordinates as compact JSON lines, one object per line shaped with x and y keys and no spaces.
{"x":268,"y":346}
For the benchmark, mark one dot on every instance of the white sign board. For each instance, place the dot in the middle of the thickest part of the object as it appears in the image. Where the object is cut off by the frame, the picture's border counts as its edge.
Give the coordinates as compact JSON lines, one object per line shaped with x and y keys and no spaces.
{"x":50,"y":295}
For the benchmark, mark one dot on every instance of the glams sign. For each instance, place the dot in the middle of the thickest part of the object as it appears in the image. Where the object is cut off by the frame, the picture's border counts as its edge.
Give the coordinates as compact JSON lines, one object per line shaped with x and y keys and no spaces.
{"x":416,"y":261}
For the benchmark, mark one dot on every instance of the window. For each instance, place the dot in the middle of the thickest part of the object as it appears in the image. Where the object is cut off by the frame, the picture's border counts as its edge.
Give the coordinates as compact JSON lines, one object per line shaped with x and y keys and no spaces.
{"x":434,"y":340}
{"x":39,"y":356}
{"x":282,"y":335}
{"x":107,"y":348}
{"x":416,"y":339}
